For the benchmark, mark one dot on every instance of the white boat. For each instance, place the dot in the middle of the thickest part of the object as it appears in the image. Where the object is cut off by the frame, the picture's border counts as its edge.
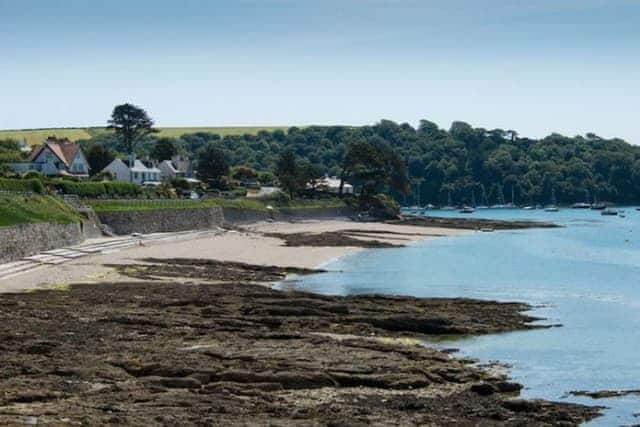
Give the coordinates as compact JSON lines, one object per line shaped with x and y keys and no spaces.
{"x":552,"y":207}
{"x":581,"y":205}
{"x":467,"y":210}
{"x":449,"y":206}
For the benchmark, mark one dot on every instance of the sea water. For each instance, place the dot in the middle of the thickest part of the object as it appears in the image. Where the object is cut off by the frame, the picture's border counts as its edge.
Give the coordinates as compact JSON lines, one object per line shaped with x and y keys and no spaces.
{"x":585,"y":276}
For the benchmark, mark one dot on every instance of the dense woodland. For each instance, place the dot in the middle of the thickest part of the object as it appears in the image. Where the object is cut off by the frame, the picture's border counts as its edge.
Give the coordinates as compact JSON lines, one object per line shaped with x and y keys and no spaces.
{"x":466,"y":163}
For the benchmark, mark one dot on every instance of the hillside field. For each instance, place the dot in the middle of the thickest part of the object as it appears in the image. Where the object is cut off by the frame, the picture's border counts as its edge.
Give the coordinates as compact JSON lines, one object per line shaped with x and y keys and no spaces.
{"x":37,"y":136}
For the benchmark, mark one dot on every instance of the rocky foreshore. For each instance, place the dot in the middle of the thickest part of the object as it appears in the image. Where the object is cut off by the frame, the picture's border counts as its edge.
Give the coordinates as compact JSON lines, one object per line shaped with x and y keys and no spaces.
{"x":190,"y":342}
{"x":470,"y":223}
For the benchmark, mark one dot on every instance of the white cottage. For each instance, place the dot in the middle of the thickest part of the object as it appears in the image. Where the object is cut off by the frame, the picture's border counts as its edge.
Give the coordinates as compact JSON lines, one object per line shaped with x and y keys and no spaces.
{"x":140,"y":173}
{"x":331,"y":184}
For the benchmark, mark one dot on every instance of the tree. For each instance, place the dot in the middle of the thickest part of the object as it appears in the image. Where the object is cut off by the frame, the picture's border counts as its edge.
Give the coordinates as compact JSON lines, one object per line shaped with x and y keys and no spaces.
{"x":99,"y":157}
{"x":288,"y":172}
{"x":373,"y":165}
{"x":212,"y":165}
{"x":308,"y":173}
{"x":10,"y":151}
{"x":244,"y":174}
{"x":131,"y":123}
{"x":164,"y":149}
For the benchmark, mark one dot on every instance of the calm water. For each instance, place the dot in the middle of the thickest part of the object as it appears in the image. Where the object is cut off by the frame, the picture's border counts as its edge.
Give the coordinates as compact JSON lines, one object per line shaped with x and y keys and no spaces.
{"x":584,"y":276}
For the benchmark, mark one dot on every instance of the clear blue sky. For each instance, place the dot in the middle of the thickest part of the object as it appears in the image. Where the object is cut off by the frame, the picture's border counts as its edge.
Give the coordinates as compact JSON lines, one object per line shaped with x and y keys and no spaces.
{"x":537,"y":66}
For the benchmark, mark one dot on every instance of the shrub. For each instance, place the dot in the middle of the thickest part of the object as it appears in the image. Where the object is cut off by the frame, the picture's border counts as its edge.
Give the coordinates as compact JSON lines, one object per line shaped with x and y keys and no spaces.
{"x":22,"y":185}
{"x":97,"y":189}
{"x":384,"y":207}
{"x":278,"y":198}
{"x":82,"y":189}
{"x":266,"y":178}
{"x":120,"y":188}
{"x":242,"y":173}
{"x":239,"y":192}
{"x":180,"y":184}
{"x":102,"y":176}
{"x":33,"y":175}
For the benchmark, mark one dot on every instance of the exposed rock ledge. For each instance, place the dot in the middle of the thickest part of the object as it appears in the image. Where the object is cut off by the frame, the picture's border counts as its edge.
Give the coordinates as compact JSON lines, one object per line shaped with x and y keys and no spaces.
{"x":471,"y":223}
{"x":158,"y":352}
{"x":604,"y":394}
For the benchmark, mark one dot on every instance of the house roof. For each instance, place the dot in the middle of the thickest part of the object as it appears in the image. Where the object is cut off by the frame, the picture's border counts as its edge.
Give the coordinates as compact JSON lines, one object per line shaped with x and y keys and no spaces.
{"x":169,"y":164}
{"x":63,"y":149}
{"x":139,"y":166}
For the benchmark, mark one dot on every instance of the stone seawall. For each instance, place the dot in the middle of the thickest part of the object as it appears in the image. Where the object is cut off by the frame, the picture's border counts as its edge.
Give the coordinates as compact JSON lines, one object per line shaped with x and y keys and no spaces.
{"x":161,"y":220}
{"x":315,"y":213}
{"x":234,"y":216}
{"x":167,"y":220}
{"x":23,"y":240}
{"x":19,"y":241}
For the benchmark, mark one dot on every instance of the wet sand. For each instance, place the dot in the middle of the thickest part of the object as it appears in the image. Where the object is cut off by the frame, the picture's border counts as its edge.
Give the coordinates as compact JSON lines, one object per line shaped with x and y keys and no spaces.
{"x":249,"y":245}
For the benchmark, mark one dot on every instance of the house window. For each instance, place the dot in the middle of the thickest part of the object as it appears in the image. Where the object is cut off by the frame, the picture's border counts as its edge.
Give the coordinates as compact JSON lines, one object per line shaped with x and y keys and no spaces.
{"x":135,"y":175}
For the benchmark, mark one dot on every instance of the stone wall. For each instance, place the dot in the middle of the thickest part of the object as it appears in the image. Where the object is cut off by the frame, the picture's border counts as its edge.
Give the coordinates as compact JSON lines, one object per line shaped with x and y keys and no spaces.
{"x":167,"y":220}
{"x":234,"y":216}
{"x":315,"y":213}
{"x":161,"y":220}
{"x":23,"y":240}
{"x":90,"y":223}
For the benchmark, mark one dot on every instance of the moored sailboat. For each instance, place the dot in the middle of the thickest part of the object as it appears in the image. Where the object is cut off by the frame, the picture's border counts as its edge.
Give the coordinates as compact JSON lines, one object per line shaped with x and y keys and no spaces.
{"x":552,"y":207}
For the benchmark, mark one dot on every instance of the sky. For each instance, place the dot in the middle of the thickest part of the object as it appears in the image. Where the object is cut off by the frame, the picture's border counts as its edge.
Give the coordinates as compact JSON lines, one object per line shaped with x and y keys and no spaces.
{"x":536,"y":66}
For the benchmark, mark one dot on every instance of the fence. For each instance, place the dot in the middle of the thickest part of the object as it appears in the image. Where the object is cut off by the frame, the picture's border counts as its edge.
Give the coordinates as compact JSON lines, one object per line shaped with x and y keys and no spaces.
{"x":6,"y":193}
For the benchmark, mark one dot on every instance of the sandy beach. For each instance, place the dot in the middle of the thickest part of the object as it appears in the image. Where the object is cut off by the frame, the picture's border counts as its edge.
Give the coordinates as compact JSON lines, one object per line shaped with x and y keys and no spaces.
{"x":248,"y":244}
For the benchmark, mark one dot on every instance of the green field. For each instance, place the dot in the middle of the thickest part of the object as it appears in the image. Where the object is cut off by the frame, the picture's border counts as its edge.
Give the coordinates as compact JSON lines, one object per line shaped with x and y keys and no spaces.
{"x":37,"y":136}
{"x":239,"y":203}
{"x":33,"y":209}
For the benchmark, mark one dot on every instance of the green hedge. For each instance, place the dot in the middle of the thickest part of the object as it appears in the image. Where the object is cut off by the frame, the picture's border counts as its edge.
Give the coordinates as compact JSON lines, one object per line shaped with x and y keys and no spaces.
{"x":98,"y":189}
{"x":22,"y":185}
{"x":116,"y":188}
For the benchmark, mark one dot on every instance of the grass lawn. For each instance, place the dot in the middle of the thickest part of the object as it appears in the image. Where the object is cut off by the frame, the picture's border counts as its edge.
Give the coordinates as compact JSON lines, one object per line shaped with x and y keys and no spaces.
{"x":33,"y":209}
{"x":240,"y":203}
{"x":37,"y":136}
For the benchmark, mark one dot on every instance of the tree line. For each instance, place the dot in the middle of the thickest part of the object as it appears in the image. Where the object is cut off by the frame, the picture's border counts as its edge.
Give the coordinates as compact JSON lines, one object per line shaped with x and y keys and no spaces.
{"x":423,"y":164}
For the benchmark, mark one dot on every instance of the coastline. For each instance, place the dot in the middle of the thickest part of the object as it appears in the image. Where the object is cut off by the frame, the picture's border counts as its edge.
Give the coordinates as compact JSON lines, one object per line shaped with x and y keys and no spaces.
{"x":207,"y":352}
{"x":247,"y":244}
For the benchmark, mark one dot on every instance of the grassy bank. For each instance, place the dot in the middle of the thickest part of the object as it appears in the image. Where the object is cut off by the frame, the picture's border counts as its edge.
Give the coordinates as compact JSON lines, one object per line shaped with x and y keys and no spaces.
{"x":16,"y":210}
{"x":36,"y":136}
{"x":240,"y":203}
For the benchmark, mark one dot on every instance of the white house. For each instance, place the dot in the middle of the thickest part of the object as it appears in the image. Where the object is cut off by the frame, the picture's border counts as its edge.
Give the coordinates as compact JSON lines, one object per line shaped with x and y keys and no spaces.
{"x":139,"y":174}
{"x":55,"y":157}
{"x":177,"y":167}
{"x":169,"y":171}
{"x":331,"y":185}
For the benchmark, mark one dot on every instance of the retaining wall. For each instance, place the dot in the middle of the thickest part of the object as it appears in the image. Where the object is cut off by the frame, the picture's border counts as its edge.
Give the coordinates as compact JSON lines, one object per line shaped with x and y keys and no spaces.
{"x":19,"y":241}
{"x":28,"y":239}
{"x":161,"y":220}
{"x":315,"y":213}
{"x":167,"y":220}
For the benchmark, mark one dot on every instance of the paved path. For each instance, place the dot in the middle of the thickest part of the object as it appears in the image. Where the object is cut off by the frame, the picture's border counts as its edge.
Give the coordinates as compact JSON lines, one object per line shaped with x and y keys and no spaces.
{"x":96,"y":246}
